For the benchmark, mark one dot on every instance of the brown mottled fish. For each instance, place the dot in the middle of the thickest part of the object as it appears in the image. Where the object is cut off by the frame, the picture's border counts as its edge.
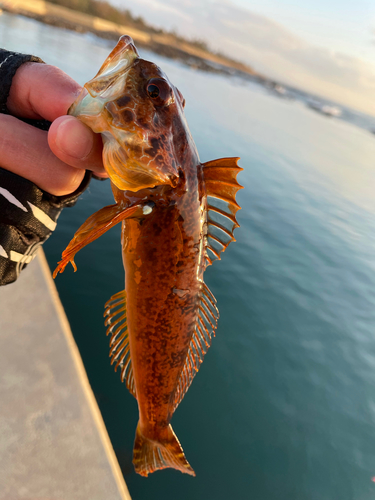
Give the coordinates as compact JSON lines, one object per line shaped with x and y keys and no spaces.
{"x":178,"y":215}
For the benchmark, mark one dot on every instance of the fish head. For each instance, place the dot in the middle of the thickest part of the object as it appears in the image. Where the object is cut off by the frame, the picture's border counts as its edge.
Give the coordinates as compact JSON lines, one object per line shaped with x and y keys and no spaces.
{"x":140,"y":115}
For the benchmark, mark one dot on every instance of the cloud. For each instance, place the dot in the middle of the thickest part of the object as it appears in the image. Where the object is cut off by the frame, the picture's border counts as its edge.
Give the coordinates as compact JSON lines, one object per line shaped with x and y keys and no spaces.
{"x":159,"y":13}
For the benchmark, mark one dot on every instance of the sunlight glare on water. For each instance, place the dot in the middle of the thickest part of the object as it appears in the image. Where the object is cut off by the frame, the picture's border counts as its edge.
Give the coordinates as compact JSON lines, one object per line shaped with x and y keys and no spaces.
{"x":284,"y":404}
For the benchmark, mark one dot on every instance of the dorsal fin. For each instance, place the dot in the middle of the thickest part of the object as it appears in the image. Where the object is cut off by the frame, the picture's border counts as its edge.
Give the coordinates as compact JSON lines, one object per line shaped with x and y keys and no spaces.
{"x":205,"y":327}
{"x":220,"y":177}
{"x":119,"y":350}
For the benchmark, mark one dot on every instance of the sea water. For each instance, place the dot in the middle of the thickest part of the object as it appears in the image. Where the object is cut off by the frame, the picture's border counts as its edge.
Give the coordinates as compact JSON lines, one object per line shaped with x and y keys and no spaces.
{"x":284,"y":404}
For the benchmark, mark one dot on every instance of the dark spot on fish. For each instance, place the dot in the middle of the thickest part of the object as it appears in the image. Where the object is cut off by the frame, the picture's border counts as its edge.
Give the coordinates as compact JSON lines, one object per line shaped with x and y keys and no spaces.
{"x":181,"y":174}
{"x":155,"y":143}
{"x":166,"y":398}
{"x":123,"y":101}
{"x":164,"y":422}
{"x":143,"y":124}
{"x":159,"y":160}
{"x":177,"y":358}
{"x":157,"y":229}
{"x":127,"y":115}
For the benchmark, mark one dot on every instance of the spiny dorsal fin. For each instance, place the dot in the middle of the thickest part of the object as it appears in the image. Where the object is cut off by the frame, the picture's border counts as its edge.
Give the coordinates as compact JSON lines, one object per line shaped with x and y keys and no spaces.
{"x":205,"y":327}
{"x":119,"y":350}
{"x":220,"y":177}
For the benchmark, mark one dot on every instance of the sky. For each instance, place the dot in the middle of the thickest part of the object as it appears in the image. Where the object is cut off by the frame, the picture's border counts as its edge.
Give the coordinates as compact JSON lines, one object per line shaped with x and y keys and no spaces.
{"x":326,"y":47}
{"x":341,"y":25}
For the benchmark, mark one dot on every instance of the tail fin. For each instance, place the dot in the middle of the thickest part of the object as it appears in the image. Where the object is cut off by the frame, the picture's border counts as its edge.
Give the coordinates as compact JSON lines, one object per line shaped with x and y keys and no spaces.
{"x":150,"y":455}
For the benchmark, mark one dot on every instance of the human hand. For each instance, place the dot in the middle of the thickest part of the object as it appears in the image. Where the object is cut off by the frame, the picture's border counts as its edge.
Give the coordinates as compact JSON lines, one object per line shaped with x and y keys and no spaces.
{"x":55,"y":161}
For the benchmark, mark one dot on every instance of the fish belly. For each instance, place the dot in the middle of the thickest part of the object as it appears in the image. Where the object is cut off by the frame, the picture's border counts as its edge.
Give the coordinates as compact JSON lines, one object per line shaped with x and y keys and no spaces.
{"x":161,"y":260}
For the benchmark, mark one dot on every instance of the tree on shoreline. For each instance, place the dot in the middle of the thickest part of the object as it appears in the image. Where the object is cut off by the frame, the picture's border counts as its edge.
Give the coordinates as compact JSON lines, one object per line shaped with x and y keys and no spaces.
{"x":103,"y":9}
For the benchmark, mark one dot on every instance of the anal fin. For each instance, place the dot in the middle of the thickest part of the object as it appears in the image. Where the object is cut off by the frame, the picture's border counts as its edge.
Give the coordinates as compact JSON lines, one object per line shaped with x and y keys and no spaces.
{"x":220,"y":177}
{"x":119,"y":349}
{"x":206,"y":324}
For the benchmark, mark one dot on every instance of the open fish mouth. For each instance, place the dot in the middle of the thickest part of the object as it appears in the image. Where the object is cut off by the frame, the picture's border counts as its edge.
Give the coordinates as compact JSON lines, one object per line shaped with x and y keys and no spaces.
{"x":109,"y":82}
{"x":117,"y":104}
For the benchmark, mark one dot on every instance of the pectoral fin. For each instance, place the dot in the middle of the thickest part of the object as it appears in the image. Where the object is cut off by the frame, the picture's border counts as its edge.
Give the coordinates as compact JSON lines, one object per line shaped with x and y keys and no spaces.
{"x":96,"y":225}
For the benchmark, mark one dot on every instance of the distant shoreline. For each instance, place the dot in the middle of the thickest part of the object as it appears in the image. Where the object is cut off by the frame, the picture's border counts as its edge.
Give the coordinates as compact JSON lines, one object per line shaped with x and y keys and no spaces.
{"x":162,"y":44}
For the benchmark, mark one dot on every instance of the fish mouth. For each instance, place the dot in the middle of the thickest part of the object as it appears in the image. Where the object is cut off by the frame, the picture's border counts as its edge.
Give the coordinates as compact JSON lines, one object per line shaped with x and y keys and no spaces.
{"x":124,"y":156}
{"x":117,"y":63}
{"x":108,"y":84}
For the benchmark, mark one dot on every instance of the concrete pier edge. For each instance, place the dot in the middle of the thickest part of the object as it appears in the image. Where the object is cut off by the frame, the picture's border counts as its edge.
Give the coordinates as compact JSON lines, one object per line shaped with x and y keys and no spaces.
{"x":53,"y":441}
{"x":83,"y":378}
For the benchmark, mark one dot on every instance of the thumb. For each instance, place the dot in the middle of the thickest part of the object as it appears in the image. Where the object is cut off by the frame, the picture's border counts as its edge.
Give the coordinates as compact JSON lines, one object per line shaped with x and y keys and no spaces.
{"x":76,"y":144}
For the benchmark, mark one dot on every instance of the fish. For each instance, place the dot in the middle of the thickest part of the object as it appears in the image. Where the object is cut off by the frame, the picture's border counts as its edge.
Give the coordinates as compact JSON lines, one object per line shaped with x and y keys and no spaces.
{"x":178,"y":215}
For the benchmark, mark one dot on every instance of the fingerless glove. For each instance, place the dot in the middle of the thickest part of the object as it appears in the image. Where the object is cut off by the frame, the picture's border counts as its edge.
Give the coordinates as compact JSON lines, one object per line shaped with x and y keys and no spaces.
{"x":28,"y":214}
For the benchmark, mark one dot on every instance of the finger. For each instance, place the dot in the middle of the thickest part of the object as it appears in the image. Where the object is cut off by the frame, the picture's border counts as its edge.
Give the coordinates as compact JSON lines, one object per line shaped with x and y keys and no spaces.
{"x":75,"y":144}
{"x":38,"y":163}
{"x":41,"y":91}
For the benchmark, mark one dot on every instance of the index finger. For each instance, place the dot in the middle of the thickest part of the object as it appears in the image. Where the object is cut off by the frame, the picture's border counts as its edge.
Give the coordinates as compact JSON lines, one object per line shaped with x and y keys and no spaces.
{"x":41,"y":91}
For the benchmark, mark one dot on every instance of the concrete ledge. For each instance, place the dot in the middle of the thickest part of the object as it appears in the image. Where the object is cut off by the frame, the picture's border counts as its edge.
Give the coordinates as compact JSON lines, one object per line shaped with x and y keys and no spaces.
{"x":53,"y":442}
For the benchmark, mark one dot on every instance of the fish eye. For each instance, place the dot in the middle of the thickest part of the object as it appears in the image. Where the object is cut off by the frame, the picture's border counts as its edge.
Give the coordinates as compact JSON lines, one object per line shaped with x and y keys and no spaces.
{"x":159,"y":91}
{"x":153,"y":91}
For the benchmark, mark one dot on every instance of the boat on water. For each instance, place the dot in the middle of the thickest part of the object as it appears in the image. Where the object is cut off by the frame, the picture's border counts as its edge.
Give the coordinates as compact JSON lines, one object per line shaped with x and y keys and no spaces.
{"x":325,"y":109}
{"x":279,"y":89}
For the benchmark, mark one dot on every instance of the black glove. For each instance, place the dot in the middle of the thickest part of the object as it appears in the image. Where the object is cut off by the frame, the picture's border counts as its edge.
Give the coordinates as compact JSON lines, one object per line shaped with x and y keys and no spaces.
{"x":28,"y":214}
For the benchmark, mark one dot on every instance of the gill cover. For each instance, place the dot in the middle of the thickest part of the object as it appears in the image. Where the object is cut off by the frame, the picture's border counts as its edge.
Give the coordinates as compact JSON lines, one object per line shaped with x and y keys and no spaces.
{"x":115,"y":104}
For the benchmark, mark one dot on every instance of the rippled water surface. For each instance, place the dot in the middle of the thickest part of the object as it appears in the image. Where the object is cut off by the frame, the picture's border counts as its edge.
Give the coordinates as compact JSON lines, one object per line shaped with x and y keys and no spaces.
{"x":284,"y":404}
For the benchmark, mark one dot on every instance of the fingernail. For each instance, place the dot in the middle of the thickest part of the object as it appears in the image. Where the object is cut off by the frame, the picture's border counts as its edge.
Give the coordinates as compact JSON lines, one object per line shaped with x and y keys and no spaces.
{"x":74,"y":138}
